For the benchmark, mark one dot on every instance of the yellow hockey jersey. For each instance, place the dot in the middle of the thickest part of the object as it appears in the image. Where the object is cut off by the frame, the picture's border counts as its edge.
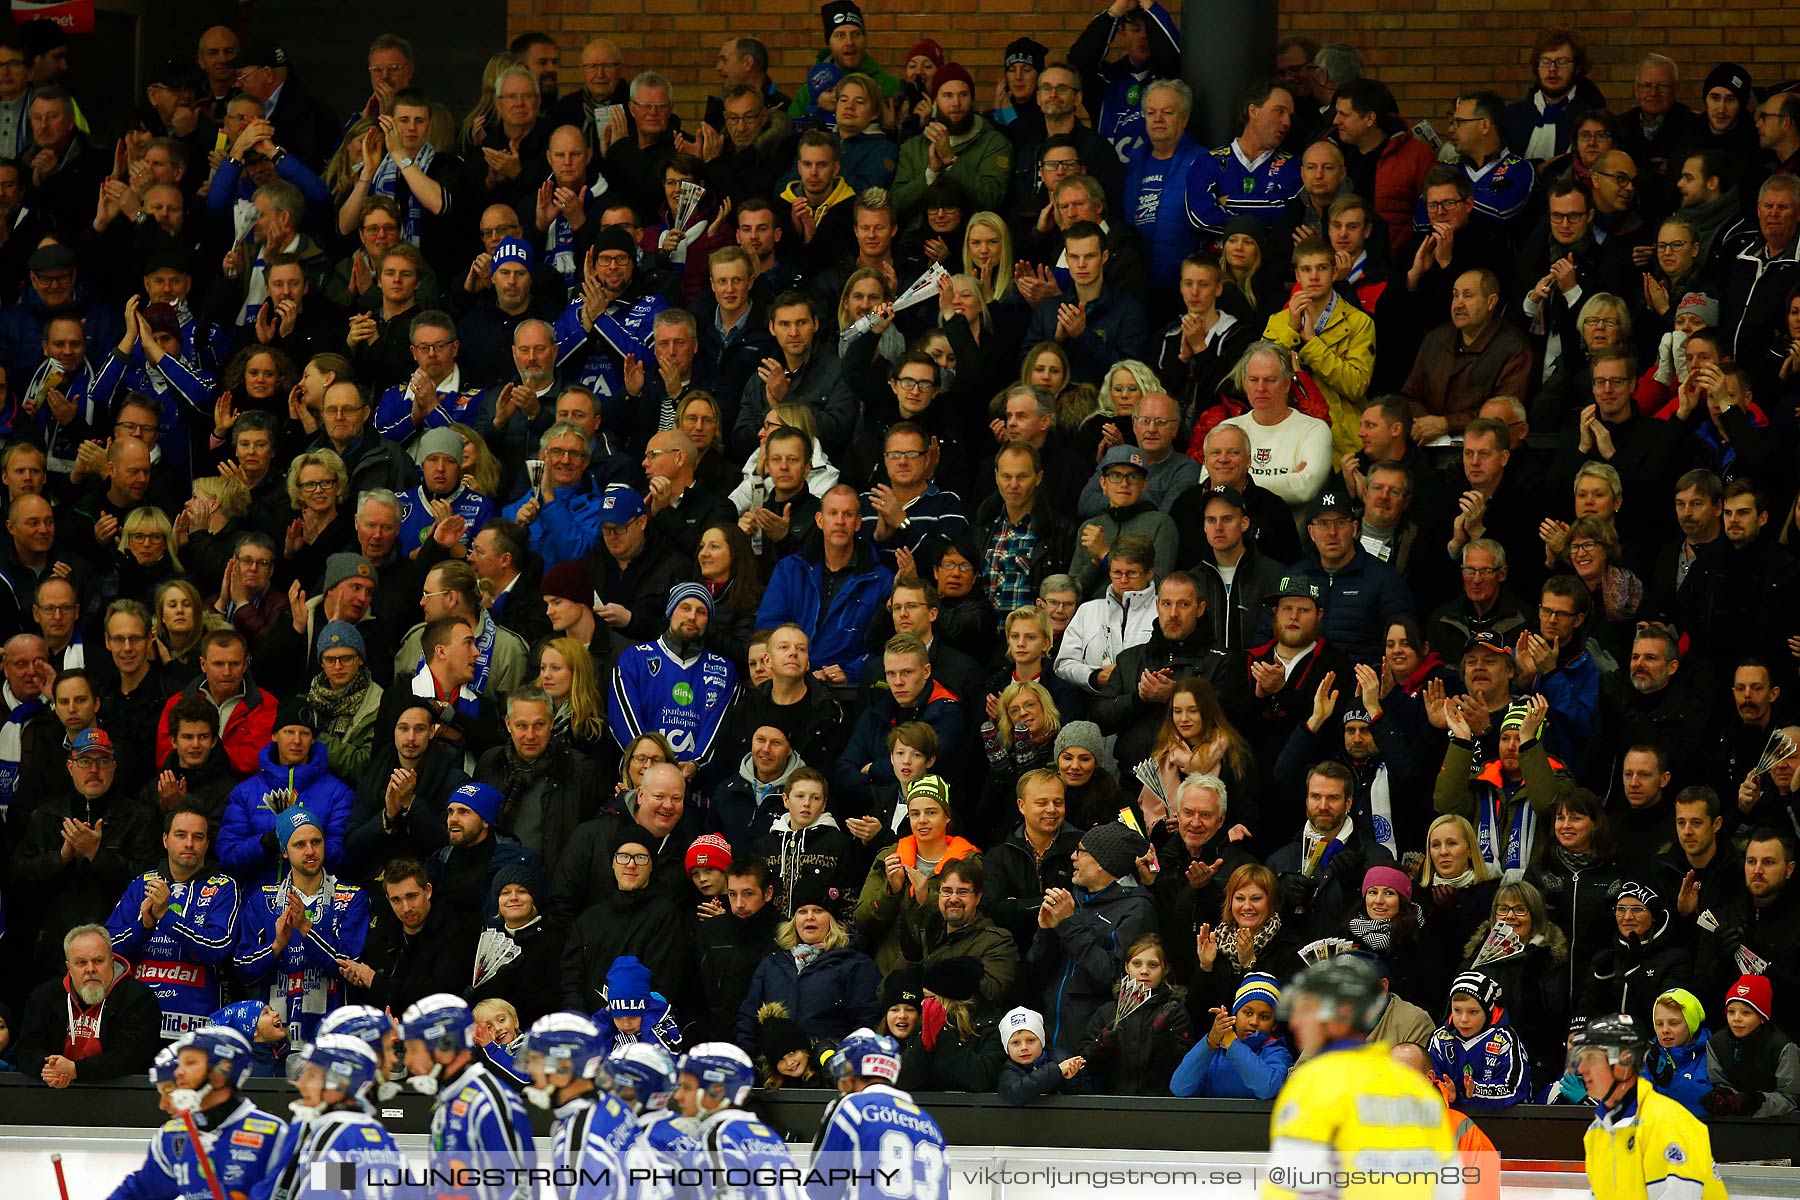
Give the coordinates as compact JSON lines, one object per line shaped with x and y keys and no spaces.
{"x":1353,"y":1123}
{"x":1660,"y":1151}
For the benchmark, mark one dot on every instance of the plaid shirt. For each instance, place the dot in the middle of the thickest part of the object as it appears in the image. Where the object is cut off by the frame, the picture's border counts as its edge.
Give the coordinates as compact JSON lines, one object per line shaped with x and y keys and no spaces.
{"x":1006,"y":570}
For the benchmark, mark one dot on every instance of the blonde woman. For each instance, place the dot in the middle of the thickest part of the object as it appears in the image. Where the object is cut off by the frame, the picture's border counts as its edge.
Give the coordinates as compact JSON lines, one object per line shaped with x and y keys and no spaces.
{"x":820,"y":478}
{"x":180,"y":621}
{"x":1454,"y":888}
{"x":1129,"y":381}
{"x":316,"y":487}
{"x":813,"y":973}
{"x":481,"y":469}
{"x":988,"y":255}
{"x":566,"y":672}
{"x":146,"y":554}
{"x":208,"y":527}
{"x":644,"y":751}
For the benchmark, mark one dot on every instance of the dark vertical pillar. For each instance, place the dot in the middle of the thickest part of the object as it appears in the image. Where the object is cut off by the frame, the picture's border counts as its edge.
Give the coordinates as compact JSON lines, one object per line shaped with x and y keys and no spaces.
{"x":1226,"y":46}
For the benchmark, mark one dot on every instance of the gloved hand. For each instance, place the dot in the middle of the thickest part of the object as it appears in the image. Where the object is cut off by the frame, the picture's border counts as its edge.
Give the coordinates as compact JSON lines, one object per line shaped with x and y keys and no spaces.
{"x":1442,"y":896}
{"x":1631,"y":948}
{"x":1730,"y":938}
{"x":990,"y":744}
{"x":1721,"y":1103}
{"x":1570,"y":1090}
{"x":1296,"y":890}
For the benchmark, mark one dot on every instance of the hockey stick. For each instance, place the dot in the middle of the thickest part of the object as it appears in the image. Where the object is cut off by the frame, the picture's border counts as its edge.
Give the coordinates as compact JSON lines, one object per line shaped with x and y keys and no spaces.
{"x":62,"y":1185}
{"x":206,"y":1167}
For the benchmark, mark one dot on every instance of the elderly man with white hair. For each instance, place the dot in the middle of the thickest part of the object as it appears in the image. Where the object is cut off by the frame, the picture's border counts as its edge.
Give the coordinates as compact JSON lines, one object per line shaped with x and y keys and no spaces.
{"x":95,"y":1024}
{"x":1290,"y":452}
{"x":1195,"y":864}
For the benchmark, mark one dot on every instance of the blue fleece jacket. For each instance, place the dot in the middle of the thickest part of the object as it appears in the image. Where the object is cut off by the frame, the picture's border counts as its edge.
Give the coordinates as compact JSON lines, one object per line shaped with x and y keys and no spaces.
{"x":1253,"y":1068}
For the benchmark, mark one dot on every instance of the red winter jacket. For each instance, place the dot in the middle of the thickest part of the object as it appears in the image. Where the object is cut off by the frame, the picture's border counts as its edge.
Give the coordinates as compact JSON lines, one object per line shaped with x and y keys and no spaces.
{"x":249,"y":729}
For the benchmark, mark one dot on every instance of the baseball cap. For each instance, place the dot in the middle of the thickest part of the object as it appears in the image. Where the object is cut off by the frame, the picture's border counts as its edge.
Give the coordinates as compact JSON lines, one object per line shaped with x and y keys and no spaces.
{"x":263,"y":52}
{"x":91,"y":743}
{"x":1124,"y":456}
{"x":52,"y":257}
{"x":1487,"y":639}
{"x":1329,"y":501}
{"x":1293,"y":587}
{"x":1228,"y":494}
{"x":620,"y":505}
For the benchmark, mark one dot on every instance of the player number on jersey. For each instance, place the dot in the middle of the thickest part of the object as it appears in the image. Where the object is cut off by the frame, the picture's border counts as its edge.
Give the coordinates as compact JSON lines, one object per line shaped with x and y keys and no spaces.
{"x":911,"y":1170}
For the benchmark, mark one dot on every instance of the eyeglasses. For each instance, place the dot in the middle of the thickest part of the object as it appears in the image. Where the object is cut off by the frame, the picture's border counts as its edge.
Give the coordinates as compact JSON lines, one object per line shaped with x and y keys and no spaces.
{"x":1156,"y":422}
{"x":1608,"y":384}
{"x":956,"y":565}
{"x":1678,"y":243}
{"x":1546,"y":613}
{"x":1511,"y":910}
{"x":433,"y":595}
{"x":1569,"y":218}
{"x":340,"y":660}
{"x":1124,"y":477}
{"x":1057,"y":89}
{"x":134,"y":428}
{"x":908,"y":606}
{"x":560,"y":452}
{"x":58,"y":610}
{"x":645,"y":760}
{"x":316,"y":485}
{"x":1481,"y":572}
{"x":1600,"y":323}
{"x":1628,"y":910}
{"x":1593,"y":137}
{"x":1583,"y":547}
{"x":1061,"y":166}
{"x":1442,"y":206}
{"x":435,"y":347}
{"x":126,"y":639}
{"x":903,"y":455}
{"x":1331,"y":523}
{"x":390,"y":69}
{"x":914,"y":385}
{"x":144,"y":537}
{"x":742,"y":118}
{"x":380,"y":227}
{"x":1555,"y":64}
{"x":623,"y":859}
{"x":255,"y":564}
{"x":1457,"y":122}
{"x":1618,"y":177}
{"x":660,"y":453}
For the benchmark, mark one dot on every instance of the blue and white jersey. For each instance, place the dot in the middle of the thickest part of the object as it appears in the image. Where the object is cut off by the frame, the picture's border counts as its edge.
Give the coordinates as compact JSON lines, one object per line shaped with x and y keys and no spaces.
{"x":480,"y":1122}
{"x":394,"y":411}
{"x":743,"y":1159}
{"x":626,"y":327}
{"x":416,"y":520}
{"x":241,"y":1146}
{"x":1223,"y":184}
{"x":590,"y":1134}
{"x":342,"y":1135}
{"x":1502,"y":188}
{"x":654,"y":691}
{"x":307,"y":982}
{"x":887,"y":1145}
{"x":179,"y":959}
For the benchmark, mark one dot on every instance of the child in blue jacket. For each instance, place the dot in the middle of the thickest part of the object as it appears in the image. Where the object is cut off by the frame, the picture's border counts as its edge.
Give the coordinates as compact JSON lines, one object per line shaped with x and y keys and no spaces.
{"x":1242,"y":1055}
{"x":1475,"y":1051}
{"x":1030,"y":1071}
{"x":1677,"y":1062}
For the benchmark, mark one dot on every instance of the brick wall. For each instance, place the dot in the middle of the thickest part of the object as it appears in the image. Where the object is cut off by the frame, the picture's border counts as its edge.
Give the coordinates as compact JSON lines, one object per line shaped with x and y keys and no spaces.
{"x":1425,"y":49}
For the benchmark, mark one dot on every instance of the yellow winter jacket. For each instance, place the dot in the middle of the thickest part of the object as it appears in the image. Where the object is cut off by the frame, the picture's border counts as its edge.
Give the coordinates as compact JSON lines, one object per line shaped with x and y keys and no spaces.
{"x":1341,"y":359}
{"x":1659,"y":1150}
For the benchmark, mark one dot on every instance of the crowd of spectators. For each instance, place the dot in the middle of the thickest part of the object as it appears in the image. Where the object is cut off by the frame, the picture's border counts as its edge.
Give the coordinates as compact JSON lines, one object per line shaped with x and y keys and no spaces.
{"x":955,"y":549}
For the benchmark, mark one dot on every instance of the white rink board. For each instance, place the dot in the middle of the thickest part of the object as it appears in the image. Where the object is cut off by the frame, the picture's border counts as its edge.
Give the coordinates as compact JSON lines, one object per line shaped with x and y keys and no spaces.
{"x":94,"y":1161}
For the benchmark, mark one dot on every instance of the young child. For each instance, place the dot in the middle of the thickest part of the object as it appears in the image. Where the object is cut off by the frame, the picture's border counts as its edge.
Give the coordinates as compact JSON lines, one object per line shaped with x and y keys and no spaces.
{"x":785,"y":1051}
{"x":1029,"y":1071}
{"x":1241,"y":1056}
{"x":912,"y":752}
{"x":263,"y":1027}
{"x":806,"y":843}
{"x":633,"y":1012}
{"x":1753,"y":1066}
{"x":1476,"y":1050}
{"x":497,"y":1036}
{"x":707,"y":860}
{"x":1137,"y":1055}
{"x":1676,"y":1064}
{"x":901,"y":997}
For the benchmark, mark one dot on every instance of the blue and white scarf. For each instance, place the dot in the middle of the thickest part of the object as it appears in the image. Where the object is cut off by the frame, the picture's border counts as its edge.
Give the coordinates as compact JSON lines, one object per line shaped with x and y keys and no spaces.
{"x":12,"y":735}
{"x":388,"y":181}
{"x":1511,"y":864}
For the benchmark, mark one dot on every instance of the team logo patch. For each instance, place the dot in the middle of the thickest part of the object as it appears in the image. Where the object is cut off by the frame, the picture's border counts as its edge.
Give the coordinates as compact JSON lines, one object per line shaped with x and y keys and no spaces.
{"x":684,"y":695}
{"x":1674,"y":1154}
{"x":244,"y":1137}
{"x":654,"y":665}
{"x":459,"y":1108}
{"x":1263,"y":455}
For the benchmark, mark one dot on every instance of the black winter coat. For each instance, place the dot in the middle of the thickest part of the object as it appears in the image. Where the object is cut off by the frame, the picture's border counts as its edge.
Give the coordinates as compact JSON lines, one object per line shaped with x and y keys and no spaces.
{"x":530,"y":982}
{"x":1138,"y":1056}
{"x":645,"y":923}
